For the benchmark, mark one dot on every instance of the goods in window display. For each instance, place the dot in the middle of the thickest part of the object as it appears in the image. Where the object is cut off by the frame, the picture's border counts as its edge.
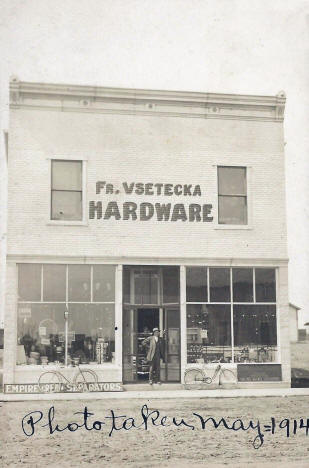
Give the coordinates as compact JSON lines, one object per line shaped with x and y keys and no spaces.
{"x":102,"y":350}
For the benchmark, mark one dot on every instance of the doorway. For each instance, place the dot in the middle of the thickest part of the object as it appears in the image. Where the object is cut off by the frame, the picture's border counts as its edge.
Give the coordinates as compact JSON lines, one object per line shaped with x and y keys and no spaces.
{"x":138,"y":323}
{"x":150,"y":299}
{"x":147,"y":320}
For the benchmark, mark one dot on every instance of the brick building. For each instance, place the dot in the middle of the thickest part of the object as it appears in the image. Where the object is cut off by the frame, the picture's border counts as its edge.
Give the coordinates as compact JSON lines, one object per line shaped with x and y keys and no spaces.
{"x":133,"y":209}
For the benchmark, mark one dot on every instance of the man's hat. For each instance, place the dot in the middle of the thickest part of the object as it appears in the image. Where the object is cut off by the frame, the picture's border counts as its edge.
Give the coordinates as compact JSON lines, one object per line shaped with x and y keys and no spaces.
{"x":155,"y":329}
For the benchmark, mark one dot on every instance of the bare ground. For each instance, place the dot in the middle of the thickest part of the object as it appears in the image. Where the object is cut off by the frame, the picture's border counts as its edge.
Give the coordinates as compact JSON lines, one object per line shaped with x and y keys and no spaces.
{"x":159,"y":446}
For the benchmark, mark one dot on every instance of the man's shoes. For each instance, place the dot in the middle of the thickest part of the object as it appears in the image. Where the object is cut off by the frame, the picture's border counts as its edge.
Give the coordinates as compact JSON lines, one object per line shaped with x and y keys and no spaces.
{"x":150,"y":382}
{"x":159,"y":383}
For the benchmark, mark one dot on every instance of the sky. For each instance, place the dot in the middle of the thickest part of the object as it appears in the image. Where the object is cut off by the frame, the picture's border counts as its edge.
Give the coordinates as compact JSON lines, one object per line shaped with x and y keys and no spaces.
{"x":225,"y":46}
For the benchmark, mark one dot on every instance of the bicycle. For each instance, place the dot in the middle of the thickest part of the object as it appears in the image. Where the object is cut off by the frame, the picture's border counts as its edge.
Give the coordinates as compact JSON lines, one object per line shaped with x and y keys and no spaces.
{"x":53,"y":381}
{"x":196,"y":377}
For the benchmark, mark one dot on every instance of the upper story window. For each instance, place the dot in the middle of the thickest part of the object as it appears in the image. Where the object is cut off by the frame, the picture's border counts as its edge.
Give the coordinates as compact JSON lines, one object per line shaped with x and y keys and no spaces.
{"x":232,"y":195}
{"x":66,"y":190}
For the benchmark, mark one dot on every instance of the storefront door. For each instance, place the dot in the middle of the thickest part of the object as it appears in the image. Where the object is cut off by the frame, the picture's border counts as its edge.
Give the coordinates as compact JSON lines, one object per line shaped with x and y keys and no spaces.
{"x":138,"y":323}
{"x":172,"y":345}
{"x":150,"y":299}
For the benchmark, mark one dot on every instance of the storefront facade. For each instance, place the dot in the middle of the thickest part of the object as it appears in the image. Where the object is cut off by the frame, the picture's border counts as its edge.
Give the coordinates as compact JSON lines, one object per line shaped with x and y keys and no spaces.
{"x":134,"y":209}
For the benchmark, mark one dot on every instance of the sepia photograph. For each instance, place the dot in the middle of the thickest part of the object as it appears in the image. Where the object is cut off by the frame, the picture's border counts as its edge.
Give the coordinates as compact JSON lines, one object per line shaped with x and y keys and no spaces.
{"x":154,"y":233}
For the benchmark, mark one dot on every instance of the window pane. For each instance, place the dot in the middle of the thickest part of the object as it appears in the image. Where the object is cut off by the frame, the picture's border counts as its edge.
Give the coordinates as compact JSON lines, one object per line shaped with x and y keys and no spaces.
{"x":209,"y":333}
{"x":265,"y":284}
{"x":126,"y":284}
{"x":219,"y":279}
{"x":255,"y":333}
{"x":196,"y":284}
{"x":29,"y":282}
{"x":92,"y":328}
{"x":242,"y":284}
{"x":232,"y":210}
{"x":232,"y":181}
{"x":146,"y":287}
{"x":40,"y":331}
{"x":67,"y":175}
{"x":54,"y":283}
{"x":67,"y":205}
{"x":79,"y":283}
{"x":104,"y":283}
{"x":170,"y":285}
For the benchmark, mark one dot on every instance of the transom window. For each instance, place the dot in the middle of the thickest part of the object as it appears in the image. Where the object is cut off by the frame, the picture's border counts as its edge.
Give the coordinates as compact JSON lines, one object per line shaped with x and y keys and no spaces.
{"x":232,"y":195}
{"x":66,"y":190}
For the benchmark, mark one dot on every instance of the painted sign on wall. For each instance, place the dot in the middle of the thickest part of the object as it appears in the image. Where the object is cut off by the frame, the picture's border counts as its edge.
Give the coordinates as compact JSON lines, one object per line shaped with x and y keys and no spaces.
{"x":144,"y":211}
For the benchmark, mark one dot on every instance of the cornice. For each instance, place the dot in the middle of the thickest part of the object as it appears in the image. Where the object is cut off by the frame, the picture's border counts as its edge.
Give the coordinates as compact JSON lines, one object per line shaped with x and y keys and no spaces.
{"x":97,"y":99}
{"x":214,"y":261}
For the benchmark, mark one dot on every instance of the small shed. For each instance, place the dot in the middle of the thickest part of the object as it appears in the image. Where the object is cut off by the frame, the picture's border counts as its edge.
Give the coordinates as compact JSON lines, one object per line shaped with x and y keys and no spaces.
{"x":293,"y":322}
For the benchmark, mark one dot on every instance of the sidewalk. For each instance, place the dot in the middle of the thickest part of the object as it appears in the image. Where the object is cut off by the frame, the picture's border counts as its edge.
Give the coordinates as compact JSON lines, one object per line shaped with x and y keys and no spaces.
{"x":160,"y":392}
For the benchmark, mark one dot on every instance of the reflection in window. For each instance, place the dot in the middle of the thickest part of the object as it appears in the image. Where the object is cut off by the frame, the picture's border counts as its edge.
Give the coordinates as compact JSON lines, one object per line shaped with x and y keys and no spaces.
{"x":29,"y":282}
{"x":265,"y":284}
{"x":54,"y":283}
{"x":79,"y":283}
{"x":103,"y":283}
{"x":208,"y":333}
{"x":219,"y":280}
{"x":242,"y":284}
{"x":255,"y":333}
{"x":196,"y":284}
{"x":232,"y":195}
{"x":66,"y":190}
{"x":39,"y":331}
{"x":92,"y":330}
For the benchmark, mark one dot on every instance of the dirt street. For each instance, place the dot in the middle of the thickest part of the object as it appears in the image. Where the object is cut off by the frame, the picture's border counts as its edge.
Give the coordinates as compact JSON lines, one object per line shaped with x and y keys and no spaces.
{"x":157,"y":446}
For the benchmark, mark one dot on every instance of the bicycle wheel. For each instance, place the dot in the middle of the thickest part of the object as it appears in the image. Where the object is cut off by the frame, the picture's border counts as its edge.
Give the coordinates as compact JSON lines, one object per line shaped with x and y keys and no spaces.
{"x":85,"y":376}
{"x":49,"y":382}
{"x":229,"y":377}
{"x":194,"y":378}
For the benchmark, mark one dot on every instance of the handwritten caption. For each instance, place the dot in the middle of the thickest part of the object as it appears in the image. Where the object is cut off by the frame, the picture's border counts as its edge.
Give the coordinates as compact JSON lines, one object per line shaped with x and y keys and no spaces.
{"x":152,"y":418}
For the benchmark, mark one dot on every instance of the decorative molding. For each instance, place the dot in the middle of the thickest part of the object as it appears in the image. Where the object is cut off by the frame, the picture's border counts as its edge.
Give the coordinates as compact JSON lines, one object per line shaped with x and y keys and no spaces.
{"x":218,"y":261}
{"x":96,"y":99}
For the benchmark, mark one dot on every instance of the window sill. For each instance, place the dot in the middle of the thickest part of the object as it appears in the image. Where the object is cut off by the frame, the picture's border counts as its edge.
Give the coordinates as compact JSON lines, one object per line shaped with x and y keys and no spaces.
{"x":66,"y":223}
{"x":240,"y":227}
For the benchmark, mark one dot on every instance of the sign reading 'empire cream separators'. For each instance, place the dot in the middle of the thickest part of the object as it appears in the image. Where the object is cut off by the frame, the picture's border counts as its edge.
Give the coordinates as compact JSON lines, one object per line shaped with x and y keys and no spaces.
{"x":129,"y":210}
{"x":64,"y":387}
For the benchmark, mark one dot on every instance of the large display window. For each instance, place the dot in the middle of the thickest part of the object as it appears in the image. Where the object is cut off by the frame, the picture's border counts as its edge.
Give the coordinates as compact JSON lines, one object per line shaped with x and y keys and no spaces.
{"x":66,"y":314}
{"x":238,"y":323}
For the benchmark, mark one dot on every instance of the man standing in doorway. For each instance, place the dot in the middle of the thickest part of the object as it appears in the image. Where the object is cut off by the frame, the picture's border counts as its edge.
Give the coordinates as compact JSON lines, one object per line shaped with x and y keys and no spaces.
{"x":154,"y":354}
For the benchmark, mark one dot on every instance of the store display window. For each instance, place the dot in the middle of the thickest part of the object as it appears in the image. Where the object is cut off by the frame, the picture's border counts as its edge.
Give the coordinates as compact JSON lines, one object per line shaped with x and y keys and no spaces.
{"x":242,"y":284}
{"x":208,"y":333}
{"x":219,"y":280}
{"x":255,"y":333}
{"x":86,"y":293}
{"x":265,"y":280}
{"x":240,"y":330}
{"x":196,"y":286}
